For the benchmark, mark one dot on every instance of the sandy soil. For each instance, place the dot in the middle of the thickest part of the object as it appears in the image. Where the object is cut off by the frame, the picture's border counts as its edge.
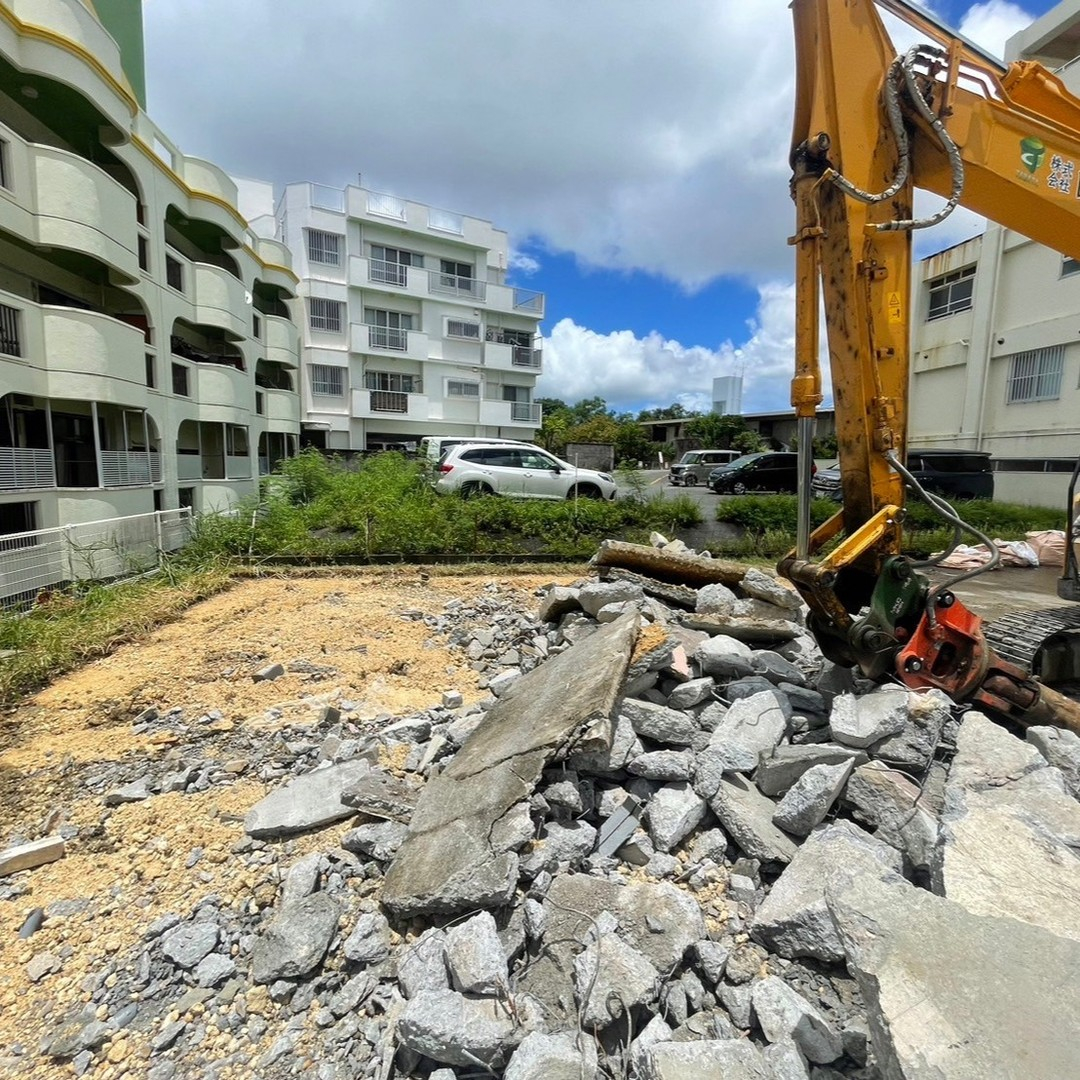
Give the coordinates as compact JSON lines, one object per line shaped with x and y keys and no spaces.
{"x":131,"y":860}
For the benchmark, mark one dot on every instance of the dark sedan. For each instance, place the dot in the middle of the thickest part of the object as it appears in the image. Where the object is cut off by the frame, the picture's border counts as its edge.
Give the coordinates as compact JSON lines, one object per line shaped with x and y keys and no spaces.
{"x":776,"y":471}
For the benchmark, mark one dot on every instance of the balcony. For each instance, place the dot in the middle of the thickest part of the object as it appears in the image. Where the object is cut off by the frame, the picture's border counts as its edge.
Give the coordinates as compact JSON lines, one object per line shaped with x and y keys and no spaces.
{"x":220,"y":384}
{"x":26,"y":469}
{"x":280,"y":405}
{"x":220,"y":300}
{"x":511,"y":413}
{"x":106,"y":352}
{"x":81,"y":208}
{"x":129,"y":468}
{"x":504,"y":356}
{"x":282,"y":341}
{"x":389,"y":404}
{"x":74,"y":23}
{"x":406,"y":344}
{"x":516,"y":301}
{"x":465,"y":288}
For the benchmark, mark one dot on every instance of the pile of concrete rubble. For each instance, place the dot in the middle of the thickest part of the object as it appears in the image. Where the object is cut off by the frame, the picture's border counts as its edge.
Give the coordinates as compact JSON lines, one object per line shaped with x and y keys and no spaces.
{"x":674,"y":842}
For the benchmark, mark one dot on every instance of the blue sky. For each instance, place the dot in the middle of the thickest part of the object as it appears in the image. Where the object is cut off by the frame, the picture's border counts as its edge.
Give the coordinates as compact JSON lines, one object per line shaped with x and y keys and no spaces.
{"x":638,"y":161}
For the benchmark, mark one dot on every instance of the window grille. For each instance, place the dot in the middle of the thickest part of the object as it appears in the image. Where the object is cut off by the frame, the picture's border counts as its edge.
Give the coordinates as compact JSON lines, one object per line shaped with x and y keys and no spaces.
{"x":460,"y":328}
{"x":327,"y":381}
{"x":324,"y":314}
{"x":392,"y":381}
{"x":458,"y":388}
{"x":324,"y":247}
{"x":1035,"y":375}
{"x":10,"y":342}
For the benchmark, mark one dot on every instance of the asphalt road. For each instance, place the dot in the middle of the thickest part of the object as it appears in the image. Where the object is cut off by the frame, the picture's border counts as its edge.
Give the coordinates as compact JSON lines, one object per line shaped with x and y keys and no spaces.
{"x":656,"y":483}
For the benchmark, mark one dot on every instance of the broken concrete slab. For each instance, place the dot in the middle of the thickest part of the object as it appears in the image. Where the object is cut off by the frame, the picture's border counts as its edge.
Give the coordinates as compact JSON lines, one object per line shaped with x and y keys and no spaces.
{"x":784,"y":1015}
{"x":378,"y":794}
{"x":793,"y":919}
{"x":446,"y":863}
{"x":746,"y":815}
{"x":295,"y":940}
{"x":1009,"y":833}
{"x":703,"y":1059}
{"x":598,"y":594}
{"x":658,"y":722}
{"x":557,"y":601}
{"x":458,"y":1030}
{"x":914,"y":745}
{"x":567,"y":1055}
{"x":308,"y":802}
{"x":951,"y":994}
{"x":811,"y":798}
{"x":475,"y":956}
{"x":36,"y":853}
{"x":724,"y":657}
{"x":753,"y":726}
{"x":863,"y":721}
{"x":1061,"y":749}
{"x":744,"y":628}
{"x":687,"y":570}
{"x":610,"y":978}
{"x":674,"y":812}
{"x":779,"y":770}
{"x":889,"y":803}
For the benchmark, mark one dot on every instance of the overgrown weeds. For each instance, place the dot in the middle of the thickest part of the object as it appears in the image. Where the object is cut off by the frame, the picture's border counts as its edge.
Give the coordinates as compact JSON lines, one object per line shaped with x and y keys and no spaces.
{"x":770,"y":521}
{"x":67,"y":628}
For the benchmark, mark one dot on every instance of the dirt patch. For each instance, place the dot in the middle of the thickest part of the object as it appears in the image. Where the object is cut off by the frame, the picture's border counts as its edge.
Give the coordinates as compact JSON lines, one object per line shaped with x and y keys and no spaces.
{"x":361,"y":642}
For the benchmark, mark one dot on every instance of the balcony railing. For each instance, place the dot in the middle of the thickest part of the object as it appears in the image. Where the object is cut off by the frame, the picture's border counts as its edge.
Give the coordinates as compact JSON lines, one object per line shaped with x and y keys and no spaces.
{"x":388,"y":273}
{"x":453,"y":285}
{"x":389,"y":401}
{"x":445,"y":221}
{"x":129,"y":468}
{"x":327,"y":198}
{"x":386,"y":206}
{"x":529,"y":300}
{"x":10,"y":342}
{"x":523,"y":356}
{"x":524,"y":412}
{"x":26,"y":468}
{"x":388,"y":337}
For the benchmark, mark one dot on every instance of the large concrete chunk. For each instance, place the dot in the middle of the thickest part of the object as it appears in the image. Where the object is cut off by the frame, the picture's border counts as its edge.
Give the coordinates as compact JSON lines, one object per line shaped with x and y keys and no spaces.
{"x":811,"y":798}
{"x":1010,"y":832}
{"x":793,"y":920}
{"x":609,"y":978}
{"x":658,"y":722}
{"x":296,"y":940}
{"x":724,"y":657}
{"x":569,"y":1055}
{"x":674,"y":812}
{"x":752,"y":726}
{"x":889,"y":803}
{"x":951,"y":994}
{"x":780,"y":769}
{"x":447,"y":863}
{"x":786,"y":1016}
{"x":704,"y":1059}
{"x":457,"y":1030}
{"x":307,"y":802}
{"x":914,"y":745}
{"x":863,"y":721}
{"x":746,"y":814}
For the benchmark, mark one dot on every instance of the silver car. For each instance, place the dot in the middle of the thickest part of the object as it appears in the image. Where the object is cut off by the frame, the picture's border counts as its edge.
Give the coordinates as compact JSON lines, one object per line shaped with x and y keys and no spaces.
{"x":526,"y":472}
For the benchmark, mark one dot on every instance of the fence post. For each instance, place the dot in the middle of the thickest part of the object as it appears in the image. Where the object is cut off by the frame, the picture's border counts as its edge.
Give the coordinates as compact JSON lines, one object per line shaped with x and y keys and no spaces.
{"x":70,"y":553}
{"x":160,"y":537}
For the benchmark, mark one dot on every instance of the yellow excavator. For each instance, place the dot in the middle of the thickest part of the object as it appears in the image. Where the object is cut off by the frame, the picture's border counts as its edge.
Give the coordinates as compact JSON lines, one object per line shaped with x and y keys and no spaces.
{"x":870,"y":126}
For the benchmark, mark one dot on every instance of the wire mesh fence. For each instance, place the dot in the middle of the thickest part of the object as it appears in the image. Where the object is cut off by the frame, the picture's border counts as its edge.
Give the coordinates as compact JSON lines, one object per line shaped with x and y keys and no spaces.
{"x":107,"y":550}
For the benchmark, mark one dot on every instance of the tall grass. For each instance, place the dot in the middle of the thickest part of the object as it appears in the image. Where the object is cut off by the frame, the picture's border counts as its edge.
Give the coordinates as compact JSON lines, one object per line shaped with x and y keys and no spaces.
{"x":67,"y":629}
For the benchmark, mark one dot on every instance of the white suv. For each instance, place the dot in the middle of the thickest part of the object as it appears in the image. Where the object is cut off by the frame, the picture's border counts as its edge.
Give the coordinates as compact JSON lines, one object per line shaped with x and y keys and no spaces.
{"x":526,"y":472}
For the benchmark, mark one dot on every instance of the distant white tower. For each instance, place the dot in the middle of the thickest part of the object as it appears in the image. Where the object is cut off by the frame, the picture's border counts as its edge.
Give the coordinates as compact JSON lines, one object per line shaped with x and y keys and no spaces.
{"x":727,"y":395}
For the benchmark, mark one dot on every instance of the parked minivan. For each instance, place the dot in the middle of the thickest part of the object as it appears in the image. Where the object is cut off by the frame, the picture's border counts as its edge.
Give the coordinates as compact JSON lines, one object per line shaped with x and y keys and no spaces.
{"x":695,"y":466}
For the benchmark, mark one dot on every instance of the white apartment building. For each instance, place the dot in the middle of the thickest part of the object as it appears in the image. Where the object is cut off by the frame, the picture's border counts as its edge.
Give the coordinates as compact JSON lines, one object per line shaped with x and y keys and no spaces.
{"x":148,"y":348}
{"x":410,"y":328}
{"x":996,"y":332}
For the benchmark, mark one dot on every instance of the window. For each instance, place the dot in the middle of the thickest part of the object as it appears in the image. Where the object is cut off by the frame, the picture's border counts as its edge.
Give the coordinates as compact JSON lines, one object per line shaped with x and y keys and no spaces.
{"x":5,"y":169}
{"x":388,"y":329}
{"x":1069,"y":266}
{"x":151,"y":371}
{"x":455,"y":275}
{"x":1036,"y":375}
{"x":459,"y":388}
{"x":174,"y":273}
{"x":260,"y":407}
{"x":324,"y":315}
{"x":393,"y":381}
{"x":180,"y":380}
{"x":324,"y":247}
{"x":236,"y":440}
{"x":144,"y":253}
{"x":951,"y":293}
{"x":9,"y":331}
{"x":327,"y":381}
{"x":390,"y":265}
{"x":256,"y":326}
{"x":460,"y":329}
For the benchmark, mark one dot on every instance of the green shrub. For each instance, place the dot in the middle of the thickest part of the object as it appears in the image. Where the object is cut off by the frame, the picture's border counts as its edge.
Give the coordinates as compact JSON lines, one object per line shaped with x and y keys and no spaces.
{"x":760,"y":513}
